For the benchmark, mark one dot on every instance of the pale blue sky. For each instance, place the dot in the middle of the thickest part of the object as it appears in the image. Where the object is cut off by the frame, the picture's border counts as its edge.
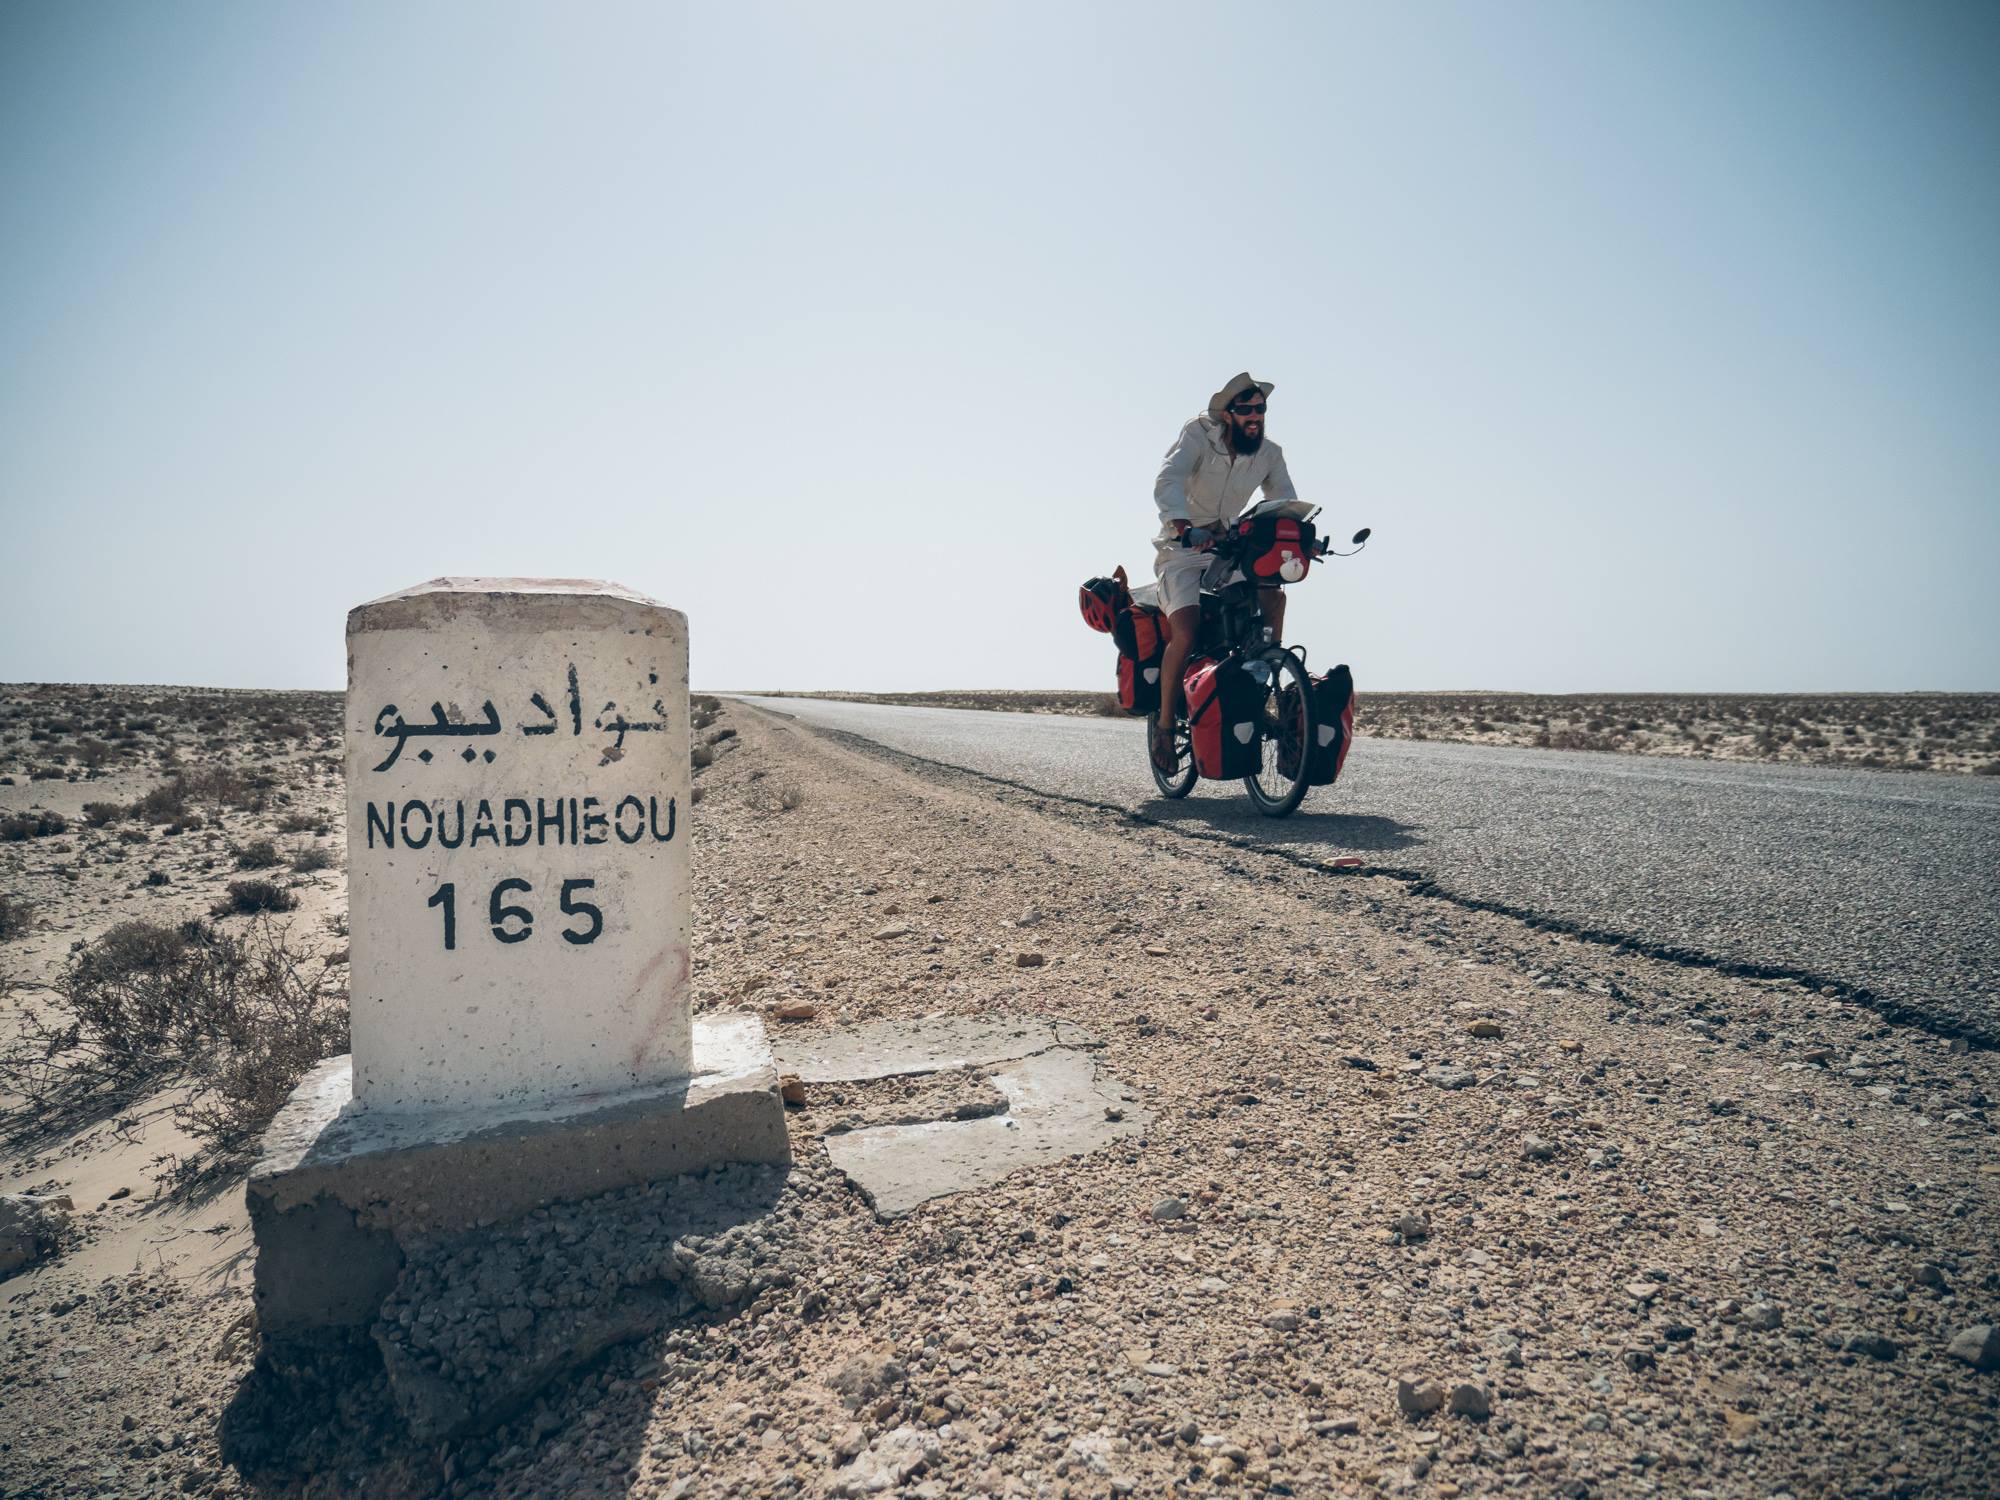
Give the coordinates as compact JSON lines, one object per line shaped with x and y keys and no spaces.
{"x":1659,"y":343}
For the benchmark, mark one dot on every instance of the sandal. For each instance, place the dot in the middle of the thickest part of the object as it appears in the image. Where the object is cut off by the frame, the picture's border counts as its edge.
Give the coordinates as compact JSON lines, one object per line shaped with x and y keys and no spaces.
{"x":1166,"y":759}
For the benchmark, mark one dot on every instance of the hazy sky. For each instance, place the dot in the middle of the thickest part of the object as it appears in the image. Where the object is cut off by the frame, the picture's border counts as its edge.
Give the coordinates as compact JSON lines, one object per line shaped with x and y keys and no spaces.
{"x":1660,"y":344}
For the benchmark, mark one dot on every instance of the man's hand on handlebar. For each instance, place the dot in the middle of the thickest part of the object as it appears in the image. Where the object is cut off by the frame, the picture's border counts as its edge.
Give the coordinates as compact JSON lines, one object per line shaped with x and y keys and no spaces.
{"x":1198,"y":537}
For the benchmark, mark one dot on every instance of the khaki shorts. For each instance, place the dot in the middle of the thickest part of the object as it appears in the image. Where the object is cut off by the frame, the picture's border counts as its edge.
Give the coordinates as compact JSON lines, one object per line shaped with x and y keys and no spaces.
{"x":1179,"y":573}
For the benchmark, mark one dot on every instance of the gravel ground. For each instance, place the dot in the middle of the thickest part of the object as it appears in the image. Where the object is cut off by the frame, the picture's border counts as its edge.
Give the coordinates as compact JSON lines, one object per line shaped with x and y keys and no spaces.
{"x":1879,"y":884}
{"x":1434,"y":1202}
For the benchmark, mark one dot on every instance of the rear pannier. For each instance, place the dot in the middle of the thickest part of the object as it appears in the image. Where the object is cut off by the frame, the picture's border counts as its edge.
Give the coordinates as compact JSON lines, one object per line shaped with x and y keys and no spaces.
{"x":1280,"y":549}
{"x":1223,"y":701}
{"x":1141,"y":633}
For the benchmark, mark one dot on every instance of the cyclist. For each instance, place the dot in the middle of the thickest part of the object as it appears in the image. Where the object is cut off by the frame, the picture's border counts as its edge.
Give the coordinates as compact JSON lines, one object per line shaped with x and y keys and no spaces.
{"x":1220,"y":459}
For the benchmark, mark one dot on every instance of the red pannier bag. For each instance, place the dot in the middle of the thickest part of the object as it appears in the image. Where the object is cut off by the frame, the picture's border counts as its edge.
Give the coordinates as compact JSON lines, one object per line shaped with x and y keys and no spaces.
{"x":1100,"y":599}
{"x":1333,"y":729}
{"x":1141,"y":633}
{"x":1223,"y":701}
{"x":1280,"y":549}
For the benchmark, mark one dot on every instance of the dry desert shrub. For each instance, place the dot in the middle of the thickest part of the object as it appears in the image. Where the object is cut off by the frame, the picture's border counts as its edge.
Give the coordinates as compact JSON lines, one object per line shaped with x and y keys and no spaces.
{"x":307,"y":860}
{"x":248,"y":897}
{"x":239,"y":1019}
{"x":16,"y":917}
{"x":258,"y":854}
{"x":31,"y":825}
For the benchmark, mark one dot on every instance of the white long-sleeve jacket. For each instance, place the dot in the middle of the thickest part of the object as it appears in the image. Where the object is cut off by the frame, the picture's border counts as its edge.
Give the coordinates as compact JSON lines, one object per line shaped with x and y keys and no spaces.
{"x":1205,"y":483}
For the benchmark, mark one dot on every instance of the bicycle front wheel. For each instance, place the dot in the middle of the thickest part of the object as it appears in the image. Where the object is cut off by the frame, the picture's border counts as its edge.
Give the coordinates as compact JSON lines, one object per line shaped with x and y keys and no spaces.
{"x":1284,"y":736}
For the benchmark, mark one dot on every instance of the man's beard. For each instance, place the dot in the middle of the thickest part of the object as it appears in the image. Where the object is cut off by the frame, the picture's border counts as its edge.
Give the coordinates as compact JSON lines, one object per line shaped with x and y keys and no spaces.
{"x":1243,"y":442}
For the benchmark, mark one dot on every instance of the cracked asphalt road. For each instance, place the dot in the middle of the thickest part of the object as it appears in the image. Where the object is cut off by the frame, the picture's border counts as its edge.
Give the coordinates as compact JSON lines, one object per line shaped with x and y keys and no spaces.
{"x":1885,"y":883}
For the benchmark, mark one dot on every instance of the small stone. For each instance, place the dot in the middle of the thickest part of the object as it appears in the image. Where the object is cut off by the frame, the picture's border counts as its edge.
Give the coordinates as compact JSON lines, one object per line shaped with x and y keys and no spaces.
{"x":1874,"y":1345}
{"x":1029,"y":959}
{"x":1639,"y":1359}
{"x":1723,"y":1106}
{"x":1818,"y":1055}
{"x":794,"y":1010}
{"x":1765,"y":1316}
{"x":1418,"y":1398}
{"x":1413,"y":1226}
{"x":1641,"y":1291}
{"x":123,"y":1192}
{"x":1978,"y":1346}
{"x":1469,"y":1400}
{"x":1446,"y":1076}
{"x":893,"y":930}
{"x":1157,"y":950}
{"x":1932,"y":1276}
{"x":792,"y":1089}
{"x":1534,"y":1148}
{"x":1169,"y":1208}
{"x":1486,"y":1030}
{"x":1284,"y":1320}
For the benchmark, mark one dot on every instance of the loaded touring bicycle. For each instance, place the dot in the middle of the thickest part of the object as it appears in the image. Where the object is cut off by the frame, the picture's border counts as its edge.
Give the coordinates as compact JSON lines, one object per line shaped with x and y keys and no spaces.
{"x":1249,"y":707}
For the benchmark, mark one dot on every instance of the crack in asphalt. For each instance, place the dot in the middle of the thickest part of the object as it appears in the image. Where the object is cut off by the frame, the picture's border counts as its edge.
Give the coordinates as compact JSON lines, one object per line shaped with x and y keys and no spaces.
{"x":1418,"y":883}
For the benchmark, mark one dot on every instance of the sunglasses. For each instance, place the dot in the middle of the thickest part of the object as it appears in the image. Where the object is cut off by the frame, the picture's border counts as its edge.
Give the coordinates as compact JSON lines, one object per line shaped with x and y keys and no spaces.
{"x":1243,"y":409}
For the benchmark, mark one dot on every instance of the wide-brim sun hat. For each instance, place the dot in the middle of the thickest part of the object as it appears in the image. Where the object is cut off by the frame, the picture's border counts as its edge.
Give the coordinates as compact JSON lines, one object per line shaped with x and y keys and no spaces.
{"x":1239,"y":385}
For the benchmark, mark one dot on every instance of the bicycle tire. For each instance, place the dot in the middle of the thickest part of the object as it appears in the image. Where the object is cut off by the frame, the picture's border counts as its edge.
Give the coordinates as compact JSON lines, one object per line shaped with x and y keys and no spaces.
{"x":1278,"y":720}
{"x":1182,"y":782}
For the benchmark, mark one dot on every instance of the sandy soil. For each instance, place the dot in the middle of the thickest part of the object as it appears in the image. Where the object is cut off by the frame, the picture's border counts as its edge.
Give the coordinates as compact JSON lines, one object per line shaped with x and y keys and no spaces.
{"x":1681,"y":1233}
{"x":1957,"y":732}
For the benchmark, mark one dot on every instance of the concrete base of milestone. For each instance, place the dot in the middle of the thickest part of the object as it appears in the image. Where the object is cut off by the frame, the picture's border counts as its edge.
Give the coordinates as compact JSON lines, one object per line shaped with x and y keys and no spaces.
{"x":342,"y":1194}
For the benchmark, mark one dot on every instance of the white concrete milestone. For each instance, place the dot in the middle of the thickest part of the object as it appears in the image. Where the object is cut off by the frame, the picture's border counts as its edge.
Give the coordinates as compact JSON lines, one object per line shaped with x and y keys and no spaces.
{"x":517,"y":788}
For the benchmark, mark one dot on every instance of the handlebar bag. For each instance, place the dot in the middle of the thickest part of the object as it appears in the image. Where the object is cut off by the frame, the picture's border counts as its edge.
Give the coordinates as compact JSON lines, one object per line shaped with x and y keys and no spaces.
{"x":1141,"y":633}
{"x":1276,"y":549}
{"x":1333,"y":729}
{"x":1100,"y":599}
{"x":1223,"y":700}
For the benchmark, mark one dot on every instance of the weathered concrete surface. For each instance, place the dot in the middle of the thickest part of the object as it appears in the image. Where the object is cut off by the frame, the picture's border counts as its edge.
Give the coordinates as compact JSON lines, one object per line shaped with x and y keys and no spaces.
{"x":1060,"y":1104}
{"x":893,"y":1049}
{"x":481,"y":1322}
{"x":343,"y":1194}
{"x":517,"y":780}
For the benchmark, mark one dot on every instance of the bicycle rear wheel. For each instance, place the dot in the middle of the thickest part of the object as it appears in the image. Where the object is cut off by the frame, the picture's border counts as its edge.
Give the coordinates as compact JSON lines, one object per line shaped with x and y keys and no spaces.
{"x":1182,"y":781}
{"x":1285,"y":736}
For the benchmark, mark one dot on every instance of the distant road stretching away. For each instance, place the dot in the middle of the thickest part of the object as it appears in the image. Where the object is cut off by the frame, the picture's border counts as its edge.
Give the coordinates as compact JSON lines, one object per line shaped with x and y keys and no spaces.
{"x":1886,"y":882}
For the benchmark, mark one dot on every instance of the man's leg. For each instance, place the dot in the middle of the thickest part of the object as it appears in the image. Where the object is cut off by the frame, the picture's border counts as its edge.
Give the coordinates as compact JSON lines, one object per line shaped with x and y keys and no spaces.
{"x":1271,"y":605}
{"x":1183,"y":625}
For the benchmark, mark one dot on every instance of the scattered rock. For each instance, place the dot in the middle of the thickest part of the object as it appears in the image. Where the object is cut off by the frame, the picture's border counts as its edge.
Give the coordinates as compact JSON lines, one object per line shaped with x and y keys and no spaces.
{"x":1029,"y":959}
{"x":1169,"y":1208}
{"x":893,"y":930}
{"x":1446,"y":1076}
{"x":1413,"y":1226}
{"x":792,"y":1089}
{"x":1469,"y":1400}
{"x":1418,"y":1398}
{"x":1978,"y":1346}
{"x":1534,"y":1148}
{"x":1486,"y":1030}
{"x":793,"y":1010}
{"x":1765,"y":1316}
{"x":887,"y":1462}
{"x":1874,"y":1345}
{"x":871,"y":1374}
{"x":30,"y":1228}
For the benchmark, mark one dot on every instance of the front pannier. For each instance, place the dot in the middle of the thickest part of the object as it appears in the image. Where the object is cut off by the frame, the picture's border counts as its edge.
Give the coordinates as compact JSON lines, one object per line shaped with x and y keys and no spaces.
{"x":1280,"y":548}
{"x":1333,"y":731}
{"x":1223,"y":701}
{"x":1141,"y":633}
